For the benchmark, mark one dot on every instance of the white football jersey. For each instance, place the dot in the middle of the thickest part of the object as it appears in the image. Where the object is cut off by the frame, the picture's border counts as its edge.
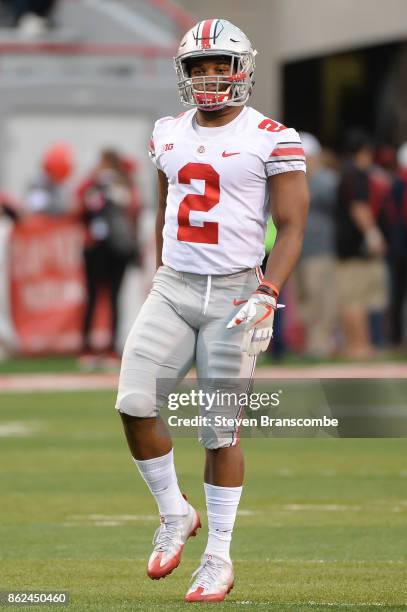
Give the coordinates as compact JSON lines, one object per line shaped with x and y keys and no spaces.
{"x":217,"y":204}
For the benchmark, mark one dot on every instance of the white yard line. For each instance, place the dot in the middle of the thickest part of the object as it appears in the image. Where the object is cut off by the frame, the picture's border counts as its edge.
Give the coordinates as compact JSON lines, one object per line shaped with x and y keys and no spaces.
{"x":311,"y":604}
{"x":323,"y":507}
{"x":316,"y":561}
{"x":114,"y":520}
{"x":124,"y":518}
{"x":27,"y":383}
{"x":107,"y":520}
{"x":16,"y":429}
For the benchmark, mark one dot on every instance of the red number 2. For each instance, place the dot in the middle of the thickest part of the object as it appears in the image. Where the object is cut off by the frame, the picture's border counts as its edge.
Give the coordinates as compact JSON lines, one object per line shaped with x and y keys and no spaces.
{"x":208,"y":233}
{"x":271,"y":126}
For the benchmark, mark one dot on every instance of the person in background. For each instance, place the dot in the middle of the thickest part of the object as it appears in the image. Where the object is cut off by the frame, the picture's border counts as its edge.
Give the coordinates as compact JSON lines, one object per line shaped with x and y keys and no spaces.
{"x":316,"y":269}
{"x":108,"y":207}
{"x":381,"y":179}
{"x":397,"y":251}
{"x":30,"y":16}
{"x":360,"y":247}
{"x":47,"y":194}
{"x":8,"y":208}
{"x":8,"y":216}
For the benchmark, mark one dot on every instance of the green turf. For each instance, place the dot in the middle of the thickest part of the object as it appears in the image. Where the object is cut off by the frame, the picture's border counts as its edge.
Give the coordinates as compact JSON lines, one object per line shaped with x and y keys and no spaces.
{"x":323,"y":523}
{"x":30,"y":365}
{"x":54,"y":363}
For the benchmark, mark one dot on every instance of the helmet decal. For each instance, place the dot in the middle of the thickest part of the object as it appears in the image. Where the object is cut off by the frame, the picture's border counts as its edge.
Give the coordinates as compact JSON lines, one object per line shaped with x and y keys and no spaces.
{"x":207,"y":32}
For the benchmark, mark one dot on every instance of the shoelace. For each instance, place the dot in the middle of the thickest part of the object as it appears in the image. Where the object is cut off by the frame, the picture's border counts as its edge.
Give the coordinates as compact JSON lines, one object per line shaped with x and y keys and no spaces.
{"x":164,"y":536}
{"x":207,"y":573}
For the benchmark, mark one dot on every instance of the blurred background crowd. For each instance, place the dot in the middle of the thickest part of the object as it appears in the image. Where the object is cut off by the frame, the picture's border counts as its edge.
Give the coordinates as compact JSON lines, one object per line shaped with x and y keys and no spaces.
{"x":81,"y":85}
{"x":104,"y":206}
{"x":350,"y":284}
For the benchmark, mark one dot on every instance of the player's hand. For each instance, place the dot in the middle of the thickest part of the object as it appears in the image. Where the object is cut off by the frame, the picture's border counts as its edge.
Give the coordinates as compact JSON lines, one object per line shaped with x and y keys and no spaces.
{"x":257,"y":316}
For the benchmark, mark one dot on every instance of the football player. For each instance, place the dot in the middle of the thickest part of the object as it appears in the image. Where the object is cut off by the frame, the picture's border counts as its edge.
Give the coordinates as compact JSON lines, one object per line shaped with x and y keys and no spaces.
{"x":221,"y":165}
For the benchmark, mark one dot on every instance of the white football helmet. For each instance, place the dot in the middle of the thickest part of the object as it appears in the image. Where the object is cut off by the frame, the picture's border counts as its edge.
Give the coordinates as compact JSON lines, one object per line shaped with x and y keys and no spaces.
{"x":215,"y":37}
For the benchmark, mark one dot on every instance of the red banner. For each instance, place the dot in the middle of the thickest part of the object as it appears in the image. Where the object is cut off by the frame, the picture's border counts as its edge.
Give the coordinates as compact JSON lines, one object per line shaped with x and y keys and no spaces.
{"x":47,"y":284}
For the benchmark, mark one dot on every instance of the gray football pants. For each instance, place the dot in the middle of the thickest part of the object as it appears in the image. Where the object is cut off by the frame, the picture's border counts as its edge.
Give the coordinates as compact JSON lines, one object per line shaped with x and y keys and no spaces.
{"x":182,"y":322}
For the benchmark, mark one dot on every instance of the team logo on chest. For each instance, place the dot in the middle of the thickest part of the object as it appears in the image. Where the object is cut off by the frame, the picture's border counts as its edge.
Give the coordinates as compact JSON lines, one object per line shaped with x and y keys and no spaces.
{"x":201,"y":149}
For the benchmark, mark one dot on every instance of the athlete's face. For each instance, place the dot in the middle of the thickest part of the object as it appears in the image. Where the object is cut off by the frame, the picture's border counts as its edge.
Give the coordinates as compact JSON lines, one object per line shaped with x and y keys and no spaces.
{"x":210,"y":67}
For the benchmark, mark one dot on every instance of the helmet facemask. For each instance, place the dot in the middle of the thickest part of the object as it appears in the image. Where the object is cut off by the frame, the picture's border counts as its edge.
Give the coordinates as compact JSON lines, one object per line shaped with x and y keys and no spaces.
{"x":213,"y":92}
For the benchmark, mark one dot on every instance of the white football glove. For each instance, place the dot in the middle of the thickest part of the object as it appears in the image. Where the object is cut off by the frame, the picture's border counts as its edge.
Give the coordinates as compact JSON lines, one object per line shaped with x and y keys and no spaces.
{"x":257,"y":315}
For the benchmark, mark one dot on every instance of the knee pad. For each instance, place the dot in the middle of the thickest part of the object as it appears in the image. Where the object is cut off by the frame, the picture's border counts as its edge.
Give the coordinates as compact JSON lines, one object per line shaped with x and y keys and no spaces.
{"x":137,"y":404}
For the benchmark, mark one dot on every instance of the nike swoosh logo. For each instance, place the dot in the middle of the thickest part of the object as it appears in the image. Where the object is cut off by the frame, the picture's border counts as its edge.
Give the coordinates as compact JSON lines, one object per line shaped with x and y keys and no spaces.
{"x":223,"y":530}
{"x":224,"y":154}
{"x":238,"y":302}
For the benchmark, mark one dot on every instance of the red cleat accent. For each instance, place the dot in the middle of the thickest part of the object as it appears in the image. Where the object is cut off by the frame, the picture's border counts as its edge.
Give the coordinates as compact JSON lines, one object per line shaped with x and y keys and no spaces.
{"x":214,"y":597}
{"x":154,"y":568}
{"x":213,"y":580}
{"x":156,"y":571}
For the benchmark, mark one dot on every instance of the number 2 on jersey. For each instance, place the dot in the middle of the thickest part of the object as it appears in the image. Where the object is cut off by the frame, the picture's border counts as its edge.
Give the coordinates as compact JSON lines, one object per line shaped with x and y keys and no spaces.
{"x":208,"y":233}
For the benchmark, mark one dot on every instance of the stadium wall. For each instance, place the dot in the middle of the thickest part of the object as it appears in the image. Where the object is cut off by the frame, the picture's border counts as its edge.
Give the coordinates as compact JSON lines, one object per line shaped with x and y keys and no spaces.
{"x":285,"y":30}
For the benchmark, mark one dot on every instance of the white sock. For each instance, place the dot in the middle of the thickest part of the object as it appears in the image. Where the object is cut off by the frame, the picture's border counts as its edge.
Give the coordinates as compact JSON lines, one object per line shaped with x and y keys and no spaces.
{"x":159,"y":474}
{"x":221,"y":503}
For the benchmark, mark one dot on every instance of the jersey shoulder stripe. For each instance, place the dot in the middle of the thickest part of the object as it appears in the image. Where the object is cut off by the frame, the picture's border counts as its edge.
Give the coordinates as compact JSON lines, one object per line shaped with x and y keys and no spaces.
{"x":286,"y":159}
{"x":276,"y":144}
{"x":290,"y":150}
{"x":287,"y":151}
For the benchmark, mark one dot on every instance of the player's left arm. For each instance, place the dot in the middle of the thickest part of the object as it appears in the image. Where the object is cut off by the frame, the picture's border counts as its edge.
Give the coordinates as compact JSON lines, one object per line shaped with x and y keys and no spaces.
{"x":289,"y":198}
{"x":289,"y":207}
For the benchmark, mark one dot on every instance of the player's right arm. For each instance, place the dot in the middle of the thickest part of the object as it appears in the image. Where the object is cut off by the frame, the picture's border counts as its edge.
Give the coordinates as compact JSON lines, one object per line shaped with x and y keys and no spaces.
{"x":160,"y":218}
{"x":162,"y":191}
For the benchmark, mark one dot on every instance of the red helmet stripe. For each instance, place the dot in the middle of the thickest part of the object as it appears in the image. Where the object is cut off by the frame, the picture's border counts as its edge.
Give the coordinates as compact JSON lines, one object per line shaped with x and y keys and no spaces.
{"x":206,"y":31}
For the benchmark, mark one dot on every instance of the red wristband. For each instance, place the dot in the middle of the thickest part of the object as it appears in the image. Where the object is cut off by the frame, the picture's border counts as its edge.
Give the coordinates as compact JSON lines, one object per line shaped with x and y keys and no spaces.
{"x":273,"y":287}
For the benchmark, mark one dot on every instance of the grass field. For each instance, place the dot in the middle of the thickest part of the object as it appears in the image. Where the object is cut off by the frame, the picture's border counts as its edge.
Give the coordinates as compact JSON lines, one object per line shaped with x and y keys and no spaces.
{"x":55,"y":364}
{"x":322,"y":526}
